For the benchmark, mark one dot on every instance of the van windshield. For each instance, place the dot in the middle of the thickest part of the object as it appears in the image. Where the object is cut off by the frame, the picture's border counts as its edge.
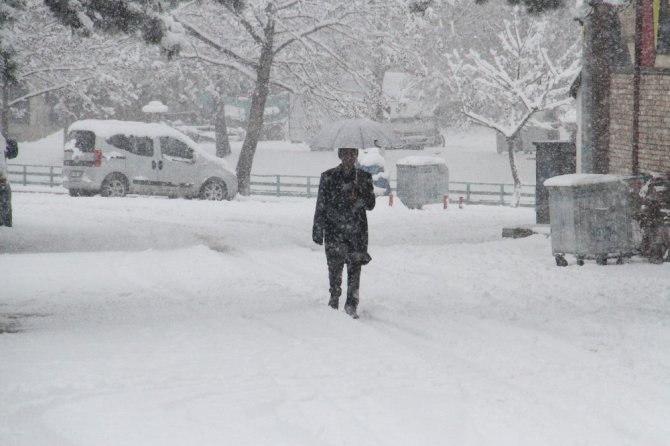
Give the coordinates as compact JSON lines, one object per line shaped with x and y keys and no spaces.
{"x":84,"y":140}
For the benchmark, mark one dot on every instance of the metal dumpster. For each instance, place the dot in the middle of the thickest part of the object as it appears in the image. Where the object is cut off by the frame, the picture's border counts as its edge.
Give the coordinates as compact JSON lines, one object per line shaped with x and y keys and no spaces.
{"x":591,"y":216}
{"x":422,"y":180}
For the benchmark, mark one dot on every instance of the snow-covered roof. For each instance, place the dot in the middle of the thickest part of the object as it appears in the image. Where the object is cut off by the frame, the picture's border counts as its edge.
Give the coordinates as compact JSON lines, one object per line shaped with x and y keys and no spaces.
{"x":420,"y":161}
{"x":580,"y":179}
{"x":155,"y":107}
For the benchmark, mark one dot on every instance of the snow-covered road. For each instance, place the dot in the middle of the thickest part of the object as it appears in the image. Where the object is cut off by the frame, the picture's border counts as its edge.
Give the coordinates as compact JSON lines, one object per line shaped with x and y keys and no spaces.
{"x":148,"y":321}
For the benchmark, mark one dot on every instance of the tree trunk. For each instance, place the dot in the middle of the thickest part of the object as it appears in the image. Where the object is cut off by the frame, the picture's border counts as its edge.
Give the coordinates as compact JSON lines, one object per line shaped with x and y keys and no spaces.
{"x":516,"y":198}
{"x":221,"y":130}
{"x":67,"y":122}
{"x":257,"y":109}
{"x":379,"y":73}
{"x":4,"y":120}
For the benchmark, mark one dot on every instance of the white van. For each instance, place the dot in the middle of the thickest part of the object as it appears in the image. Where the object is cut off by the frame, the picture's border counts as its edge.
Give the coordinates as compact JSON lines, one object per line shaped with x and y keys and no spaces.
{"x":115,"y":158}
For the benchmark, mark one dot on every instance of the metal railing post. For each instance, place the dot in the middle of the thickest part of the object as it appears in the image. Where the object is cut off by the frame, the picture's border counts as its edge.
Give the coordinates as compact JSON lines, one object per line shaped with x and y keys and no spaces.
{"x":279,"y":185}
{"x":51,"y":176}
{"x":502,"y":194}
{"x":25,"y":175}
{"x":467,"y":193}
{"x":309,"y":191}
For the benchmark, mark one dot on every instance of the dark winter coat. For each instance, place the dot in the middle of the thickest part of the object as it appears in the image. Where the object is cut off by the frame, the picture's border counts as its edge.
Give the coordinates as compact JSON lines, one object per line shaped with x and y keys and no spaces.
{"x":340,"y":216}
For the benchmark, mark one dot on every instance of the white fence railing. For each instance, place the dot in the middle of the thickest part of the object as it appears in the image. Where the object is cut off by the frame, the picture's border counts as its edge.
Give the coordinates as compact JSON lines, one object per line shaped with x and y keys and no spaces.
{"x":300,"y":186}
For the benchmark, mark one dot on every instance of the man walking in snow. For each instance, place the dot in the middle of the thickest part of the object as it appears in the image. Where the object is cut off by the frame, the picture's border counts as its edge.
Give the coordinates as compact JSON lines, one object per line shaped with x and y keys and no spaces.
{"x":345,"y":194}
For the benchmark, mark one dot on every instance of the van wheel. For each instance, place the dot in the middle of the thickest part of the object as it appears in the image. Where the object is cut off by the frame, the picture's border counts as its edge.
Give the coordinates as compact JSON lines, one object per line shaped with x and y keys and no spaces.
{"x":213,"y":189}
{"x":115,"y":185}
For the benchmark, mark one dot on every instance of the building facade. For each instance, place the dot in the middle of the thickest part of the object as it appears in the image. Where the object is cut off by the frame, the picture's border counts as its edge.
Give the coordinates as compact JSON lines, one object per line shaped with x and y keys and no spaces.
{"x":654,"y":118}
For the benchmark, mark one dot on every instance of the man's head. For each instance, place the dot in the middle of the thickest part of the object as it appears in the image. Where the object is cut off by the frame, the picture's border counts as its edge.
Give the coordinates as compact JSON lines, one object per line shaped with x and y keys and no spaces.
{"x":348,"y":156}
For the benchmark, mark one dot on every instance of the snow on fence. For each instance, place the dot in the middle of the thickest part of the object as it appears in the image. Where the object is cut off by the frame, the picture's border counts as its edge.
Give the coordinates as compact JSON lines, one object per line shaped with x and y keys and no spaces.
{"x":301,"y":186}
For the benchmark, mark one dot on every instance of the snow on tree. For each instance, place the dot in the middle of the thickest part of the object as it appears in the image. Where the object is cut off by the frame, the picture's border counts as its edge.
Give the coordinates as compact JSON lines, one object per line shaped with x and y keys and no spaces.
{"x":447,"y":26}
{"x":521,"y":75}
{"x":150,"y":19}
{"x":79,"y":76}
{"x":288,"y":45}
{"x":9,"y":11}
{"x":534,"y":6}
{"x":390,"y":32}
{"x":259,"y":38}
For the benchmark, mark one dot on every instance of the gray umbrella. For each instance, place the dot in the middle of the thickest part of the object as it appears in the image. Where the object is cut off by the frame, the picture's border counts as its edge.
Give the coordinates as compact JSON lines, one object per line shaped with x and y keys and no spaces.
{"x":354,"y":133}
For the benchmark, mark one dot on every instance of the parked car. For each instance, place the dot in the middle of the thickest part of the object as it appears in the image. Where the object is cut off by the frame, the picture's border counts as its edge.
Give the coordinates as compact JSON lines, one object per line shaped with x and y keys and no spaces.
{"x":10,"y":149}
{"x":417,"y":133}
{"x":198,"y":133}
{"x":372,"y":162}
{"x":115,"y":158}
{"x":207,"y":133}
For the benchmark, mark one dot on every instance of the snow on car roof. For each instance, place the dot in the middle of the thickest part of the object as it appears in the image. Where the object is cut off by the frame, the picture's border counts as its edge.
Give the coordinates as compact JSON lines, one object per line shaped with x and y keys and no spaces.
{"x":110,"y":127}
{"x":420,"y":161}
{"x":580,"y":179}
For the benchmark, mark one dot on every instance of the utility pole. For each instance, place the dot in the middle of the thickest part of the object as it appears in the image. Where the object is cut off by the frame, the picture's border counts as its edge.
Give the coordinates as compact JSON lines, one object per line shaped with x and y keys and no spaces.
{"x":588,"y":142}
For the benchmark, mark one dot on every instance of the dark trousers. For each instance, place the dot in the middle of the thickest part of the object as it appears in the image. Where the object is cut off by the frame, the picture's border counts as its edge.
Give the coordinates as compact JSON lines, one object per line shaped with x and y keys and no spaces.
{"x":336,"y":262}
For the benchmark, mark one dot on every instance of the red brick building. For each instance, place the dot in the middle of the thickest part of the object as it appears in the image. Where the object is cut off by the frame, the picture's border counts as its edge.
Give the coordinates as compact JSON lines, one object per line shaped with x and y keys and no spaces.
{"x":654,"y":120}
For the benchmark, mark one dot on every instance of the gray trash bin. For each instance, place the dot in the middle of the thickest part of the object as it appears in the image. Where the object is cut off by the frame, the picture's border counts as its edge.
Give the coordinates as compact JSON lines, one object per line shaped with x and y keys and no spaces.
{"x":591,"y":216}
{"x":552,"y":158}
{"x":422,"y":180}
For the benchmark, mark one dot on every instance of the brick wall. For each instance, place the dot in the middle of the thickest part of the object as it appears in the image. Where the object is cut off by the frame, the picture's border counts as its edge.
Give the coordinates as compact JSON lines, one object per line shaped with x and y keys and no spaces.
{"x":654,"y":143}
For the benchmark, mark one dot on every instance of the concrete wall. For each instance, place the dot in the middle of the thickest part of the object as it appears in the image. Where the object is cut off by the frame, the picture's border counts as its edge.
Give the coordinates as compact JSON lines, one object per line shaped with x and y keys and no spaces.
{"x":654,"y":142}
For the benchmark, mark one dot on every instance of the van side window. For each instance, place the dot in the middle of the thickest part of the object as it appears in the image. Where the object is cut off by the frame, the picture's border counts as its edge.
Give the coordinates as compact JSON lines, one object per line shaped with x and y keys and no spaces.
{"x":175,"y":148}
{"x":84,"y":140}
{"x":119,"y":141}
{"x":141,"y":145}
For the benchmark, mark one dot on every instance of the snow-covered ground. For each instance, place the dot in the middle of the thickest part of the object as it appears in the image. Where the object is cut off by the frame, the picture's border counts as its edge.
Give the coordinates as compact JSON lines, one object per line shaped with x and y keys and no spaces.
{"x":150,"y":321}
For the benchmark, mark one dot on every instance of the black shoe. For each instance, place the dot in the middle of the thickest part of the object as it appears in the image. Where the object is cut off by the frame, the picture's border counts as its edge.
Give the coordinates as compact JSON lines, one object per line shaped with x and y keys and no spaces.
{"x":334,"y":303}
{"x":351,"y":311}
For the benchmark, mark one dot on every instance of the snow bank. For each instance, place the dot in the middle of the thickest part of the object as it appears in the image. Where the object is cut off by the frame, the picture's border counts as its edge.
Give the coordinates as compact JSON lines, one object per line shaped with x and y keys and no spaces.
{"x":371,"y":157}
{"x":420,"y":161}
{"x":580,"y":179}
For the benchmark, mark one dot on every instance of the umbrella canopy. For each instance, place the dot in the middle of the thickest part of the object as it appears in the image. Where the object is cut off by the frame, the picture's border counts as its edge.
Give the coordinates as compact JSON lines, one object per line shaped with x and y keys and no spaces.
{"x":353,"y":133}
